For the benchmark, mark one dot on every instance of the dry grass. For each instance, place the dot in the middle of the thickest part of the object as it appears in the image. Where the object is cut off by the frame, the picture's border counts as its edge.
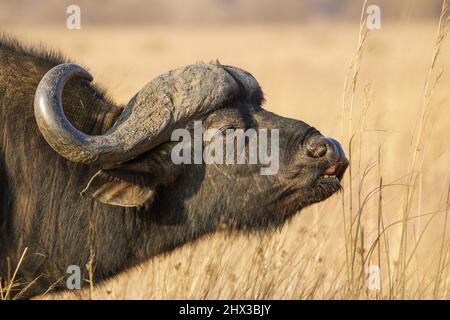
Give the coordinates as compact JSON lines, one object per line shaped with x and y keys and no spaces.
{"x":394,"y":209}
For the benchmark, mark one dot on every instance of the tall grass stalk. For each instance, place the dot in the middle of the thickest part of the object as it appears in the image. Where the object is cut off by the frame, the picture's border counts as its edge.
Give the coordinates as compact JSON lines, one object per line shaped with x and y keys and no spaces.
{"x":429,"y":87}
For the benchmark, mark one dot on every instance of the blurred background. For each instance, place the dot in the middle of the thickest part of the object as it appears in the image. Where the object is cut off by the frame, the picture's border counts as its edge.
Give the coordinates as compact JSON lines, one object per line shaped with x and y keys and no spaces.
{"x":305,"y":55}
{"x":201,"y":12}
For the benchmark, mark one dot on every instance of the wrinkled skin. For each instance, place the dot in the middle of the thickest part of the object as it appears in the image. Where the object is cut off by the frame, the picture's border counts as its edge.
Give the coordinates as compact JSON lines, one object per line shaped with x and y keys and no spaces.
{"x":41,"y":207}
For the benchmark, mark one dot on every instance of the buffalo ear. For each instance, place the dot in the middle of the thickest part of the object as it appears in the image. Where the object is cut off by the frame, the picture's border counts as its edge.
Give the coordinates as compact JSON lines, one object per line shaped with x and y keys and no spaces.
{"x":132,"y":184}
{"x":119,"y":188}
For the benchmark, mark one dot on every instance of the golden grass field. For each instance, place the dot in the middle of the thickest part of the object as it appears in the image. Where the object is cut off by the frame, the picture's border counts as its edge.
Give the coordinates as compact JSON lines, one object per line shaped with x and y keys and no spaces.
{"x":323,"y":253}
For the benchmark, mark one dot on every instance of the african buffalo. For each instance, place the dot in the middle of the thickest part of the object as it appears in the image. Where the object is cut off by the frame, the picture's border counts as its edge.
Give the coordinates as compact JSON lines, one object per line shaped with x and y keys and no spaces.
{"x":97,"y":179}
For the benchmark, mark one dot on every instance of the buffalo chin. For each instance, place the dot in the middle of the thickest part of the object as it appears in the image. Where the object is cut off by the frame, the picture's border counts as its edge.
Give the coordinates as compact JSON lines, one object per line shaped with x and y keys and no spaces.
{"x":327,"y":186}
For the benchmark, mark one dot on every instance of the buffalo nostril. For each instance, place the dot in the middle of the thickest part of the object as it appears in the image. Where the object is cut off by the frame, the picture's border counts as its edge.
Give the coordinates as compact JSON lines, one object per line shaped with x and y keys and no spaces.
{"x":317,"y":147}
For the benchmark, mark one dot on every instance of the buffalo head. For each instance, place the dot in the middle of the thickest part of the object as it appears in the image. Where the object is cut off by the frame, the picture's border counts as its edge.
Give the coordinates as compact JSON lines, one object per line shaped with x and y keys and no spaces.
{"x":134,"y":164}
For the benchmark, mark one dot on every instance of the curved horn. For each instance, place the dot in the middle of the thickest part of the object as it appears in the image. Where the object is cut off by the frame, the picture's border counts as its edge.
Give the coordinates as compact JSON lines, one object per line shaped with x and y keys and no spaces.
{"x":170,"y":101}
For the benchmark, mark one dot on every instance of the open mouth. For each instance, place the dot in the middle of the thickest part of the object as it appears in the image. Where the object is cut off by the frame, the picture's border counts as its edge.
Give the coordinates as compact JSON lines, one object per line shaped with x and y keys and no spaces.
{"x":333,"y":174}
{"x":335,"y":171}
{"x":332,"y":180}
{"x":329,"y":177}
